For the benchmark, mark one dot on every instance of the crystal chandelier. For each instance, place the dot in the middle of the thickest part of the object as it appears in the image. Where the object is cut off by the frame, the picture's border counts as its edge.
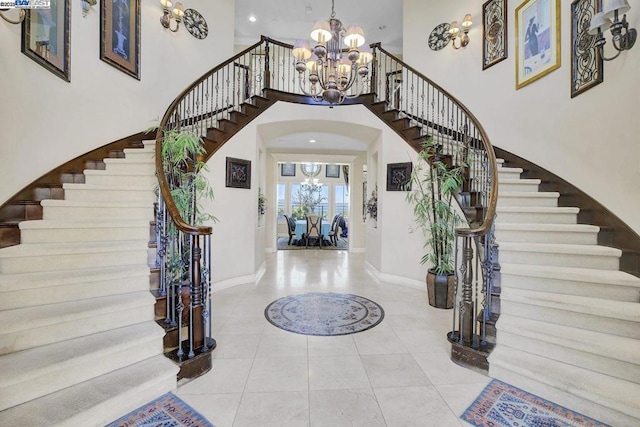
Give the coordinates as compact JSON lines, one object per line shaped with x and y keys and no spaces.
{"x":332,"y":71}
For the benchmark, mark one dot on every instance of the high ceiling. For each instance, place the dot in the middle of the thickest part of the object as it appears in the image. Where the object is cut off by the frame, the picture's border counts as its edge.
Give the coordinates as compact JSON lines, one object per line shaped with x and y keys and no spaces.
{"x":288,"y":20}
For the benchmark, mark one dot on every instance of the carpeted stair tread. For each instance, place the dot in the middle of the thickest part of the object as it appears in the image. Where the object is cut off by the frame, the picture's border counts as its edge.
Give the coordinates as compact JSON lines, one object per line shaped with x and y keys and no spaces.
{"x":100,"y":400}
{"x":95,"y":204}
{"x":530,"y":194}
{"x":46,"y":249}
{"x":510,"y":170}
{"x":612,"y":346}
{"x":132,"y":173}
{"x":101,"y":187}
{"x":536,"y":209}
{"x":601,"y":389}
{"x":132,"y":161}
{"x":620,"y":310}
{"x":530,"y":181}
{"x":596,"y":276}
{"x":46,"y":369}
{"x":551,"y":228}
{"x":80,"y":224}
{"x":21,"y":319}
{"x":560,"y":248}
{"x":43,"y":279}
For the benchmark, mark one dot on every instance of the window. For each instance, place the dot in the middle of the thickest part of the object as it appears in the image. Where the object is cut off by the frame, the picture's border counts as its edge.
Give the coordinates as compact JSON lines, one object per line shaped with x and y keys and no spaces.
{"x":341,"y":199}
{"x":281,"y":201}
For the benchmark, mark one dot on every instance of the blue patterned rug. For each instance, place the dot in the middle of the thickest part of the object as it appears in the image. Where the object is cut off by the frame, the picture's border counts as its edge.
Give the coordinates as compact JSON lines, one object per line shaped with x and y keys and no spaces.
{"x":503,"y":405}
{"x":324,"y":313}
{"x":165,"y":411}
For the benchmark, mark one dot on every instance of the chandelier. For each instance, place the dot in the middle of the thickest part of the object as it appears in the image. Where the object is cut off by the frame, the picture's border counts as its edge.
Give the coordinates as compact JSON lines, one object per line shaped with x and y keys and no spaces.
{"x":332,"y":71}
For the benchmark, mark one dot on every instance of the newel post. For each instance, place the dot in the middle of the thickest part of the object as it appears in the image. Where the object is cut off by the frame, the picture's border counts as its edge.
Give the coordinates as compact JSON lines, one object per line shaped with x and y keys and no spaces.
{"x":467,"y":311}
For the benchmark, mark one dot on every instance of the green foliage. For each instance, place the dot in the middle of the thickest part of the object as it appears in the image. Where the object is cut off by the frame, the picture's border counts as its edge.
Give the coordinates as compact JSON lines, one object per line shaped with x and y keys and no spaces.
{"x":308,"y":197}
{"x":432,"y":194}
{"x":262,"y":202}
{"x":372,"y":204}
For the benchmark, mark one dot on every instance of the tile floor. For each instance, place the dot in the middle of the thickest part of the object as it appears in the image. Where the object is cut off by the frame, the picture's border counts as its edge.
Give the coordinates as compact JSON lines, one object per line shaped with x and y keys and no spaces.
{"x":395,"y":374}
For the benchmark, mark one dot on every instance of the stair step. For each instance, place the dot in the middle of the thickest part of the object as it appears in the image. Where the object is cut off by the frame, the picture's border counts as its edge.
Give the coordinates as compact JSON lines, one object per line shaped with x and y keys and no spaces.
{"x":65,"y":256}
{"x":100,"y":400}
{"x":97,"y":210}
{"x":562,"y":255}
{"x":140,"y":154}
{"x":608,"y":354}
{"x":576,"y":234}
{"x":65,"y":231}
{"x":52,"y":287}
{"x":509,"y":173}
{"x":120,"y":178}
{"x":528,"y":198}
{"x":606,"y":316}
{"x":552,"y":215}
{"x":608,"y":399}
{"x":33,"y":373}
{"x":605,"y":284}
{"x":29,"y":327}
{"x":92,"y":192}
{"x":529,"y":185}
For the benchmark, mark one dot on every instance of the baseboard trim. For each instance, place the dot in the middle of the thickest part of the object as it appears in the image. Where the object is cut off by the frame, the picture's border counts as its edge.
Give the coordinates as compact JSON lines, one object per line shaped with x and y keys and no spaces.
{"x":240,"y":280}
{"x":393,"y":279}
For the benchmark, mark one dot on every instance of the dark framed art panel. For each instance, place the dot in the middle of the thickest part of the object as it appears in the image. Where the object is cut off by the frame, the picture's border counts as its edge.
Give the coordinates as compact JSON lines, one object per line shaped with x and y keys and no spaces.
{"x":288,"y":169}
{"x":399,"y":176}
{"x":586,"y":61}
{"x":46,"y":37}
{"x":332,"y":171}
{"x":120,"y":35}
{"x":494,"y":30}
{"x":238,"y":173}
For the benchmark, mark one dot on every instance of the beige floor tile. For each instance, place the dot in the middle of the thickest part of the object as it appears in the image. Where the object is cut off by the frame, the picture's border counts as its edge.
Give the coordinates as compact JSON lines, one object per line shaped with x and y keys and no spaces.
{"x":393,"y":370}
{"x":460,"y":396}
{"x":439,"y":368}
{"x":348,"y":408}
{"x":379,"y":343}
{"x":278,"y":409}
{"x":337,"y":372}
{"x":236,"y":346}
{"x":286,"y":344}
{"x":414,"y":407}
{"x":226,"y":376}
{"x":278,"y":374}
{"x":342,"y":345}
{"x":220,"y":409}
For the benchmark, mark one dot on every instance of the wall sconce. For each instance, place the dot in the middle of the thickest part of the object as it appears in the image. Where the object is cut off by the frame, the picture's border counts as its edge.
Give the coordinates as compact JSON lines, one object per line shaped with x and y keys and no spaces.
{"x":623,"y":37}
{"x":23,"y":14}
{"x":86,"y":6}
{"x":177,"y":13}
{"x":461,"y":37}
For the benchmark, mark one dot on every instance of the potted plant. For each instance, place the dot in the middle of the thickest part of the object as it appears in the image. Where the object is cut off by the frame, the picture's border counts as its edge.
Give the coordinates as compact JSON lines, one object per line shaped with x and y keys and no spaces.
{"x":372,"y":205}
{"x":432,"y":191}
{"x":262,"y":203}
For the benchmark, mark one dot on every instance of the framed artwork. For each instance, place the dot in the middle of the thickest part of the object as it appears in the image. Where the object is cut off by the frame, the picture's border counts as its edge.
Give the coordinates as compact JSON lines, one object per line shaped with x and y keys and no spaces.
{"x":364,"y":201}
{"x":45,"y":37}
{"x":120,"y":35}
{"x":494,"y":30}
{"x":238,"y":173}
{"x":399,"y":176}
{"x":288,"y":169}
{"x":586,"y":61}
{"x":537,"y":40}
{"x":332,"y":171}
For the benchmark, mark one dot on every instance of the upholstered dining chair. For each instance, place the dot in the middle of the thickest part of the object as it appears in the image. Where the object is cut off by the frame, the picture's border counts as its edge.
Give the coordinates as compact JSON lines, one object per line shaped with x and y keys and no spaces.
{"x":333,"y":233}
{"x":291,"y":227}
{"x":313,"y":234}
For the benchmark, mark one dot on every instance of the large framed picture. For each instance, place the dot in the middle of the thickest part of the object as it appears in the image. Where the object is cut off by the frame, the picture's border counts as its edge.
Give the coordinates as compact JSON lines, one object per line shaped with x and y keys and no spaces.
{"x":45,"y":37}
{"x":494,"y":29}
{"x":537,"y":40}
{"x":586,"y":61}
{"x":238,"y":173}
{"x":120,"y":35}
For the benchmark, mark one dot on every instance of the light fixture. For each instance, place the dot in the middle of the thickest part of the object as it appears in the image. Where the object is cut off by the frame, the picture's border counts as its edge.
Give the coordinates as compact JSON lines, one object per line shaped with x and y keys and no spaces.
{"x":252,"y":18}
{"x":459,"y":36}
{"x":623,"y":37}
{"x":332,"y":72}
{"x":86,"y":6}
{"x":176,"y":13}
{"x":21,"y":16}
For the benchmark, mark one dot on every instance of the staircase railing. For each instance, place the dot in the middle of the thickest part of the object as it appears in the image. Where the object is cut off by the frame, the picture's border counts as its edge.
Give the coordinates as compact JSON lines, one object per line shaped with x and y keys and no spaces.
{"x":437,"y":113}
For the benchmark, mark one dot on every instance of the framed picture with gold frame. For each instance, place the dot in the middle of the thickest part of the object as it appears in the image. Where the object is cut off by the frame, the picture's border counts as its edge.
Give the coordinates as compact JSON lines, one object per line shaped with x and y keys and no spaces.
{"x":45,"y":37}
{"x":120,"y":35}
{"x":537,"y":40}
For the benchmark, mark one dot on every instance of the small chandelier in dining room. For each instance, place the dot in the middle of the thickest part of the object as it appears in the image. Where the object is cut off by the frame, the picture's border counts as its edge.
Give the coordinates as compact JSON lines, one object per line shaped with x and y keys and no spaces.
{"x":332,"y":71}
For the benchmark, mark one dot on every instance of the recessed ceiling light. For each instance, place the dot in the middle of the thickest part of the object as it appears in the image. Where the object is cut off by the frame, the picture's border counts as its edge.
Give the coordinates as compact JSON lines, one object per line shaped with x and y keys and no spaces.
{"x":252,"y":18}
{"x":382,"y":27}
{"x":312,"y":141}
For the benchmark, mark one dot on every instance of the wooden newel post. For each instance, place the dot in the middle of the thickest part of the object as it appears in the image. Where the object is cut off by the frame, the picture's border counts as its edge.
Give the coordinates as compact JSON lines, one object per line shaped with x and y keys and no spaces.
{"x":196,"y":293}
{"x":267,"y":71}
{"x":467,"y":311}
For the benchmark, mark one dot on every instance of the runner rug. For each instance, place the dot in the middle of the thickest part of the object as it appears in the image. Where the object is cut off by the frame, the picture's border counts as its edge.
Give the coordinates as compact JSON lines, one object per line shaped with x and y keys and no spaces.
{"x":165,"y":411}
{"x":324,"y":313}
{"x":503,"y":405}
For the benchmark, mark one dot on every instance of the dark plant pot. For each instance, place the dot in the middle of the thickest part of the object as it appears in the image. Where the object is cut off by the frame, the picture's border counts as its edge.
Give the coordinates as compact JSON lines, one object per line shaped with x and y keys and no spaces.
{"x":440,"y":289}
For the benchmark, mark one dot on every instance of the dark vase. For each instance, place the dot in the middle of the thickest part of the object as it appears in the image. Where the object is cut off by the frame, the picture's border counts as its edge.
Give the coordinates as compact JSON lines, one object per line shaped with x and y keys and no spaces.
{"x":440,"y":289}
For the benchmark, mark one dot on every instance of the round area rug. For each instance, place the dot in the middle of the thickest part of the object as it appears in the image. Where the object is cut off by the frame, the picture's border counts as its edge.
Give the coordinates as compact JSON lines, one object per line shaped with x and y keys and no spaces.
{"x":324,"y":313}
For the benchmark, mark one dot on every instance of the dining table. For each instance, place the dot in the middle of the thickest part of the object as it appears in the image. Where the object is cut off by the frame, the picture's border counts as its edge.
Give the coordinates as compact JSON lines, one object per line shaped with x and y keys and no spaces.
{"x":301,"y":227}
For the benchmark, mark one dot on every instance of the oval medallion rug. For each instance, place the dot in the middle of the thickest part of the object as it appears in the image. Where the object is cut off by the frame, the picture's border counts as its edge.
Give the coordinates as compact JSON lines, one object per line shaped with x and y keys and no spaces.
{"x":324,"y":313}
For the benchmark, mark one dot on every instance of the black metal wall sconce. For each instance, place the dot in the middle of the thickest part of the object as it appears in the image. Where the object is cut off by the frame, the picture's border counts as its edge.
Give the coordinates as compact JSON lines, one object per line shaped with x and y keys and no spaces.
{"x":623,"y":37}
{"x":176,"y":13}
{"x":459,"y":36}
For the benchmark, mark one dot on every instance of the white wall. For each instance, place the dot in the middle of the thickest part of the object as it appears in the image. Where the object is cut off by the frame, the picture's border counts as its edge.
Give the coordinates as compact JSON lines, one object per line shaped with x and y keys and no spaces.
{"x":47,"y":121}
{"x":592,"y":140}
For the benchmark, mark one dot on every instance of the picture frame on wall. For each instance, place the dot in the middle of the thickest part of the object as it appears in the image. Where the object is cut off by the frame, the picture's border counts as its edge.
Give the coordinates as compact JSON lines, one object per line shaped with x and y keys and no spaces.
{"x":120,"y":35}
{"x":238,"y":173}
{"x":288,"y":169}
{"x":46,"y":37}
{"x":332,"y":171}
{"x":399,"y":176}
{"x":537,"y":40}
{"x":494,"y":30}
{"x":587,"y":65}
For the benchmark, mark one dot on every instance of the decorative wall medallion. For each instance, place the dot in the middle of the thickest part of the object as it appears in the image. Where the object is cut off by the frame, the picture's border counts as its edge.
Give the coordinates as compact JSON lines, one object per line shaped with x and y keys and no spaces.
{"x":586,"y":62}
{"x":494,"y":23}
{"x":310,"y":169}
{"x":195,"y":24}
{"x":440,"y":36}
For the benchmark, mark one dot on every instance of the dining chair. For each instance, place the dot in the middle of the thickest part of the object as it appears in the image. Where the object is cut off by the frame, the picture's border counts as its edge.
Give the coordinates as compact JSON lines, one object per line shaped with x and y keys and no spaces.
{"x":314,"y":225}
{"x":291,"y":227}
{"x":333,"y":232}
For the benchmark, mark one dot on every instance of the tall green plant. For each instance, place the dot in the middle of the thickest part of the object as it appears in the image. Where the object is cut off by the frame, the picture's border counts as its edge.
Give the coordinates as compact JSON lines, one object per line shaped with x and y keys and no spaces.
{"x":434,"y":186}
